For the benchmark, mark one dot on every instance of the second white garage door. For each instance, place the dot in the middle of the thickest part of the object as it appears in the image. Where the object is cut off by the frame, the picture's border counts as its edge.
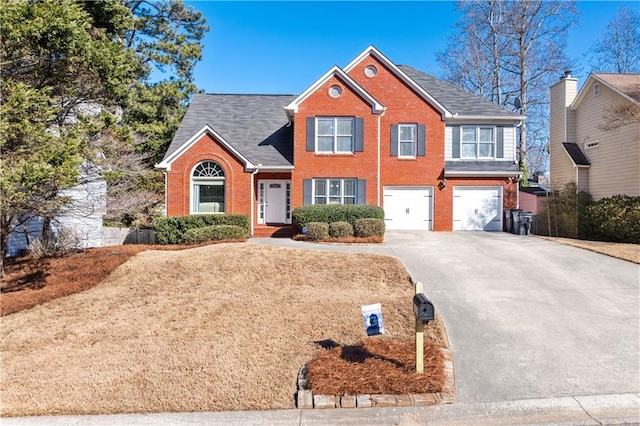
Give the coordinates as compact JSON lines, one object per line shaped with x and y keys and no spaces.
{"x":477,"y":208}
{"x":408,"y":207}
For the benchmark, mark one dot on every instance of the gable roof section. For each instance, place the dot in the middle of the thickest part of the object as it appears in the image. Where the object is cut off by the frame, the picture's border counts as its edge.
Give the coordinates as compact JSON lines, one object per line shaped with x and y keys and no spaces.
{"x":371,"y":50}
{"x":451,"y":101}
{"x":376,"y":106}
{"x":253,"y":127}
{"x":460,"y":103}
{"x":576,"y":155}
{"x":626,"y":85}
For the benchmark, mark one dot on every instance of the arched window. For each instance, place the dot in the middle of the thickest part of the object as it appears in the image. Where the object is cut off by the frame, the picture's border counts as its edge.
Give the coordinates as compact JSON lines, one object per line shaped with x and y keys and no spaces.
{"x":208,"y":183}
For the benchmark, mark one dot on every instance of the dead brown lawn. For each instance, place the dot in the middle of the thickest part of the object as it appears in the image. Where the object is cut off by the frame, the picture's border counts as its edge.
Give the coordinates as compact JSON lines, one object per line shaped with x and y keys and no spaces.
{"x":628,"y":252}
{"x":223,"y":327}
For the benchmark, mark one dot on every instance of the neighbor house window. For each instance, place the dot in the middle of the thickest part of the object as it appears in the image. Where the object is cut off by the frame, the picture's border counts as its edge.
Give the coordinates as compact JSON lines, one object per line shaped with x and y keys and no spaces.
{"x":334,"y":134}
{"x":334,"y":191}
{"x":478,"y":142}
{"x":407,"y":140}
{"x":208,"y":186}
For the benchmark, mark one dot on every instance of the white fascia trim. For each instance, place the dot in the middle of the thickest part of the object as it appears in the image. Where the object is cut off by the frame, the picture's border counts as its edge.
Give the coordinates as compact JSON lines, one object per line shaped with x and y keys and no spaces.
{"x":371,"y":50}
{"x":270,"y":169}
{"x":484,"y":174}
{"x":376,"y":106}
{"x":460,"y":118}
{"x":586,"y":86}
{"x":166,"y":163}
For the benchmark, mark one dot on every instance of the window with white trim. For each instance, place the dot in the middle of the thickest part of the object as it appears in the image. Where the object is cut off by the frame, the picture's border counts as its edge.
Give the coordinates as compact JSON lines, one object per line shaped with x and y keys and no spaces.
{"x":478,"y":142}
{"x":208,"y":188}
{"x":334,"y":191}
{"x":407,"y":140}
{"x":334,"y":134}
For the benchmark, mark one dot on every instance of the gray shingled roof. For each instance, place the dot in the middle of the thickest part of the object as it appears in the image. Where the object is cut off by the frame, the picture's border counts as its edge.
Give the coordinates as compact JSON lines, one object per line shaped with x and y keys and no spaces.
{"x":576,"y":154}
{"x":481,"y":166}
{"x":454,"y":99}
{"x":255,"y":125}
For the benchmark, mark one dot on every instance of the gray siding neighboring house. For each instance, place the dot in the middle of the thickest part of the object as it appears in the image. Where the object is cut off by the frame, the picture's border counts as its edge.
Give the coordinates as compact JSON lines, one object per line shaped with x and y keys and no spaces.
{"x":83,"y":214}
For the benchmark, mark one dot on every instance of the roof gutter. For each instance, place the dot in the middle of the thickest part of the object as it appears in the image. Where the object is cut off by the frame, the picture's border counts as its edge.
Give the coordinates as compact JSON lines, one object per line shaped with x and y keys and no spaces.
{"x":251,"y":219}
{"x":518,"y":118}
{"x":464,"y":173}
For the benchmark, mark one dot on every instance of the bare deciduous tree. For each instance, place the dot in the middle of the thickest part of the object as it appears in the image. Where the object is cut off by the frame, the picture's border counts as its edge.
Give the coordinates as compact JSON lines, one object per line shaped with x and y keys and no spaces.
{"x":504,"y":50}
{"x":618,"y":49}
{"x":620,"y":114}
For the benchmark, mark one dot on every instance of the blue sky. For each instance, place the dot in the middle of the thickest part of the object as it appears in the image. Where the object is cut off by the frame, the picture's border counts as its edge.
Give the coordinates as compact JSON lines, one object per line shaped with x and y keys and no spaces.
{"x":283,"y":47}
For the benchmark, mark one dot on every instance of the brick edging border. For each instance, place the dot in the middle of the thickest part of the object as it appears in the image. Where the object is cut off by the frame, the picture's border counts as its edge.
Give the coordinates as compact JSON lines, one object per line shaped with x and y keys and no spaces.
{"x":305,"y":399}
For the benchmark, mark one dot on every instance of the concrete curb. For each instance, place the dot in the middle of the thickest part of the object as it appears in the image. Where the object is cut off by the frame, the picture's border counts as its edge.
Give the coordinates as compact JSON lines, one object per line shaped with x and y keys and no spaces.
{"x":569,"y":410}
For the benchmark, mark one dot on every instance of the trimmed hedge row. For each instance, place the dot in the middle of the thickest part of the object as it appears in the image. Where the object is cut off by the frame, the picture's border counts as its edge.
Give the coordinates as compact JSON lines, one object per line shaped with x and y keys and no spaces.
{"x":214,"y":233}
{"x":317,"y":231}
{"x":329,"y":213}
{"x":340,"y":229}
{"x":171,"y":230}
{"x":615,"y":219}
{"x":366,"y":227}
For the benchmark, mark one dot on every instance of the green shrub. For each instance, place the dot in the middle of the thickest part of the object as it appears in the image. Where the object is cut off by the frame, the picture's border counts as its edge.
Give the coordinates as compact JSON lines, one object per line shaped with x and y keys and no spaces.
{"x":615,"y":219}
{"x":329,"y":213}
{"x":214,"y":233}
{"x":369,"y":227}
{"x":340,"y":229}
{"x":563,"y":213}
{"x":171,"y":230}
{"x":317,"y":230}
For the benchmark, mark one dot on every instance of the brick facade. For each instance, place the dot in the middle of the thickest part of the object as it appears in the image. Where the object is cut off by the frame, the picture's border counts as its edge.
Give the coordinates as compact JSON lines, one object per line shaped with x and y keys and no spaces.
{"x":178,"y":179}
{"x":375,"y":164}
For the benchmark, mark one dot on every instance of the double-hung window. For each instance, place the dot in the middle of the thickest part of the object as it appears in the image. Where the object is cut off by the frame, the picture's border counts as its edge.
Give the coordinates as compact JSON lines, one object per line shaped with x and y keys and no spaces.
{"x":335,"y":134}
{"x":407,"y":138}
{"x":478,"y":142}
{"x":334,"y":191}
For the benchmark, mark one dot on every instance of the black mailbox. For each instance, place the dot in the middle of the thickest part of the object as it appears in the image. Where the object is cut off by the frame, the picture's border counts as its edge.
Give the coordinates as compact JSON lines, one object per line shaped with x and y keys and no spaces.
{"x":423,"y":308}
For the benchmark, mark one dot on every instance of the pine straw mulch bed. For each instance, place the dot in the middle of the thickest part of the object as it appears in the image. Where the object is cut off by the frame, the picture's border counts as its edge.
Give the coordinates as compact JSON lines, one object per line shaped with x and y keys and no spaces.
{"x":29,"y":282}
{"x":375,"y":366}
{"x":350,"y":240}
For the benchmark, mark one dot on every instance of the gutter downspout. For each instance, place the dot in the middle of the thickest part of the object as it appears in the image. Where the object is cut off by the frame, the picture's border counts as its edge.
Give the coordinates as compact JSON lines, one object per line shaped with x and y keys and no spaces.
{"x":252,"y":200}
{"x":378,"y":171}
{"x":166,"y":196}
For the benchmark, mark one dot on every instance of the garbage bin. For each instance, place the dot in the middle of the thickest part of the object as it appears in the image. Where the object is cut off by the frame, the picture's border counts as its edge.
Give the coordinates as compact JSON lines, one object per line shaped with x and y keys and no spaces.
{"x":526,"y":218}
{"x":515,"y":221}
{"x":506,"y":224}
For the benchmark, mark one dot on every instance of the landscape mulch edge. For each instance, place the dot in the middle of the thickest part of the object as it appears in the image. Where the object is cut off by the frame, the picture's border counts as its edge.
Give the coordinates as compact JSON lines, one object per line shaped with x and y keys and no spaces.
{"x":305,"y":399}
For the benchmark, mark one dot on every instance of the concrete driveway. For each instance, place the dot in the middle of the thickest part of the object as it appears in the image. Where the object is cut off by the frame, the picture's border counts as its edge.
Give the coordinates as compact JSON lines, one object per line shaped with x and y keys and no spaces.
{"x":527,"y":317}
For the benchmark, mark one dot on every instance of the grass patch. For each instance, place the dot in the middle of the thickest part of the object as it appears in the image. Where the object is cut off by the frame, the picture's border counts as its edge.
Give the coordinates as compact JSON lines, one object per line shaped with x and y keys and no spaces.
{"x":624,"y":251}
{"x":215,"y":328}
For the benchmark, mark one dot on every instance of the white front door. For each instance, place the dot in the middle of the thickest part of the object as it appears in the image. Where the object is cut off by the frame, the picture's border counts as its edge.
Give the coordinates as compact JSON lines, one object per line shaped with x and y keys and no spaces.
{"x":275,"y":201}
{"x":477,"y":208}
{"x":408,"y":207}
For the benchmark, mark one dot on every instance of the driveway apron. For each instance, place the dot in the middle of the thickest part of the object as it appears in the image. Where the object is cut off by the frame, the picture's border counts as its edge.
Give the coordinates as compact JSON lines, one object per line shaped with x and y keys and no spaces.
{"x":528,"y":317}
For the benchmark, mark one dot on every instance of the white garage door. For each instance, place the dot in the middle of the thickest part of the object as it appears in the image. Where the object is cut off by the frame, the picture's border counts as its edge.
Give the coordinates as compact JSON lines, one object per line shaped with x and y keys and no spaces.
{"x":477,"y":208}
{"x":408,"y":207}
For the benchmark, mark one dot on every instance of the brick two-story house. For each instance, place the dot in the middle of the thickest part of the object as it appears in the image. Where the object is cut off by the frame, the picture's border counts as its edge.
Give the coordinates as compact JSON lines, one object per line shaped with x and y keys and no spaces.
{"x":433,"y":156}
